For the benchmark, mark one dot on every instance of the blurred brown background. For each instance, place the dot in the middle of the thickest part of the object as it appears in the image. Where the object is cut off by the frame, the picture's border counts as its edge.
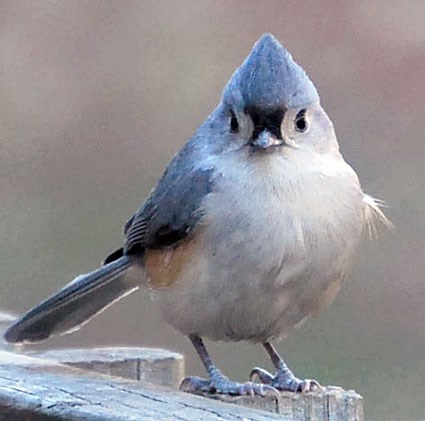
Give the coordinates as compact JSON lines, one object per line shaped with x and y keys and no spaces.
{"x":97,"y":96}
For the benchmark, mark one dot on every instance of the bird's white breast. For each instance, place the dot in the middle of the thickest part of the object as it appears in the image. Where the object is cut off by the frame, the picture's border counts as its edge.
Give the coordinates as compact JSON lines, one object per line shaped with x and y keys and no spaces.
{"x":273,"y":247}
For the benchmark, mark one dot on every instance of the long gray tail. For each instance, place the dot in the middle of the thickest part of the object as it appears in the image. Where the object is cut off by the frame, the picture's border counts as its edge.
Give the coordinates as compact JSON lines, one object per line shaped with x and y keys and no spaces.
{"x":75,"y":304}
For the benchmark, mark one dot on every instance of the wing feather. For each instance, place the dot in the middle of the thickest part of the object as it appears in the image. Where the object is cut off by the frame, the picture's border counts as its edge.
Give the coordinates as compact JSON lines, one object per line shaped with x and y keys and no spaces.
{"x":171,"y":211}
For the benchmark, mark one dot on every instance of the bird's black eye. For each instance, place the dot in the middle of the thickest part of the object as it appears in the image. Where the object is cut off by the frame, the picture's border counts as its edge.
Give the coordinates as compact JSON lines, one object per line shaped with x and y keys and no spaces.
{"x":301,"y":124}
{"x":234,"y":125}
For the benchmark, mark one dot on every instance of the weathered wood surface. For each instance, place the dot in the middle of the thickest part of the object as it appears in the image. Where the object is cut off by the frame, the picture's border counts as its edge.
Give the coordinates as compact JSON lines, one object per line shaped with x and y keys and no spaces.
{"x":151,"y":365}
{"x":330,"y":404}
{"x":40,"y":390}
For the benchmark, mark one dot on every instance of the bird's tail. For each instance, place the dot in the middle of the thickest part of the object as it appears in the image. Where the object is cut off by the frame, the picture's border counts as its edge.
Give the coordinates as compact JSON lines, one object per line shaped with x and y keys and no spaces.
{"x":76,"y":303}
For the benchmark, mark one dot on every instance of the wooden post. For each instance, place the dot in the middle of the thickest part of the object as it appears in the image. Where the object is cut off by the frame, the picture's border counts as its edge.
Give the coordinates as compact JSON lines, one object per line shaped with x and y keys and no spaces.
{"x":330,"y":404}
{"x":150,"y":365}
{"x":44,"y":390}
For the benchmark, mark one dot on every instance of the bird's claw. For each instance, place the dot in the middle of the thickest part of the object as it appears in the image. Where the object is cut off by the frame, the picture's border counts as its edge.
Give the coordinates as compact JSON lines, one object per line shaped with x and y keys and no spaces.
{"x":309,"y":385}
{"x":222,"y":385}
{"x":262,"y":375}
{"x":284,"y":381}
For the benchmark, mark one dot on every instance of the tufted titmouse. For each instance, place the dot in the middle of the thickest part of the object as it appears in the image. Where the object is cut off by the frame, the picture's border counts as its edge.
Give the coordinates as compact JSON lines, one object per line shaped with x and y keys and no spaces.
{"x":250,"y":230}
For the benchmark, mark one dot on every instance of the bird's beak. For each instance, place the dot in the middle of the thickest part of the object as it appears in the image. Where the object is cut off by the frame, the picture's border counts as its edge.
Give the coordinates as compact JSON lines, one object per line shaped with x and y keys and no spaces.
{"x":265,"y":140}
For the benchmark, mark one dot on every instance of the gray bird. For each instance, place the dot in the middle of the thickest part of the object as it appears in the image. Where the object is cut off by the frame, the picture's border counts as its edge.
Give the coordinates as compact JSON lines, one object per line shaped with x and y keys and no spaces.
{"x":251,"y":229}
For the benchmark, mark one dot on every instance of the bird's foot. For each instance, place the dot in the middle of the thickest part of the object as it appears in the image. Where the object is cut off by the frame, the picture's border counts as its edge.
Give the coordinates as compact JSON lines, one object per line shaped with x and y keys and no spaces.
{"x":284,"y":379}
{"x":218,"y":383}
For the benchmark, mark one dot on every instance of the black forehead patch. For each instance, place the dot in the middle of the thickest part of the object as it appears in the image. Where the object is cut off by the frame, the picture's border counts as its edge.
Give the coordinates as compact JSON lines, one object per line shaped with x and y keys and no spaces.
{"x":266,"y":119}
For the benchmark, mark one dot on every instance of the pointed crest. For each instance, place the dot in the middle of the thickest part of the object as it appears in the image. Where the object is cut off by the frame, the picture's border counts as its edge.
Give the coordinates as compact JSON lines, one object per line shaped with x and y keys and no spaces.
{"x":270,"y":78}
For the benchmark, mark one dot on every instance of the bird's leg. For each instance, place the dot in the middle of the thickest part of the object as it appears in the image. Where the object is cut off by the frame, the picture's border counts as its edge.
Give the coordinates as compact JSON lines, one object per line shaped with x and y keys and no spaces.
{"x":217,"y":382}
{"x":284,"y":379}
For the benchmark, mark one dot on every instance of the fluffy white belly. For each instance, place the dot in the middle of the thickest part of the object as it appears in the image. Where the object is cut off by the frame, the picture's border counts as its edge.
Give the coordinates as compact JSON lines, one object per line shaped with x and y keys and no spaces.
{"x":266,"y":258}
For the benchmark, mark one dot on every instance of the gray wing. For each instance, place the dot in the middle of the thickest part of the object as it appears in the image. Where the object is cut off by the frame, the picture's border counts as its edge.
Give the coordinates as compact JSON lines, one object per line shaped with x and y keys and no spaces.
{"x":170,"y":213}
{"x":172,"y":210}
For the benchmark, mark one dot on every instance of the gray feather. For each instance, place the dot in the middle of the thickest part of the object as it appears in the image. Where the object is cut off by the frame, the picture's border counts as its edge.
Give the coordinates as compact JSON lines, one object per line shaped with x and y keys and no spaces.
{"x":172,"y":210}
{"x":269,"y":78}
{"x":74,"y":304}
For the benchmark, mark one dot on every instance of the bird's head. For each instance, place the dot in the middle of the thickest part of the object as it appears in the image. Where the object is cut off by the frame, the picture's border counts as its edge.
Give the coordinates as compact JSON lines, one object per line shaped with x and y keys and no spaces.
{"x":271,"y":103}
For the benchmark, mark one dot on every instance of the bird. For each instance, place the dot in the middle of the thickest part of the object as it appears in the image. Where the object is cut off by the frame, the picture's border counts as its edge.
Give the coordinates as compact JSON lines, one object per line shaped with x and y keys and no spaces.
{"x":251,"y":229}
